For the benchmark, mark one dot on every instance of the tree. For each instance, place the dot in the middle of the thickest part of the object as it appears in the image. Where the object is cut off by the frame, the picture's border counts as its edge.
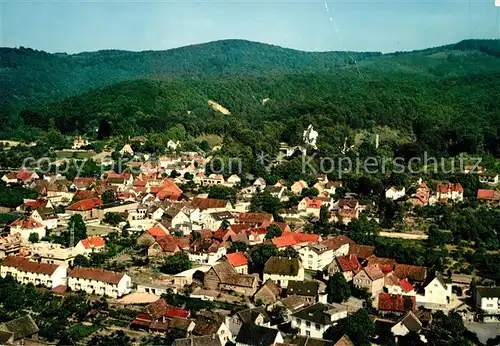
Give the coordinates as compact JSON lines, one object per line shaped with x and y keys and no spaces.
{"x":338,"y":288}
{"x":116,"y":338}
{"x":410,"y":339}
{"x":176,"y":263}
{"x":108,"y":196}
{"x":261,"y":253}
{"x":34,"y":237}
{"x":323,"y":215}
{"x":289,"y":252}
{"x":77,"y":226}
{"x":222,"y":192}
{"x":448,"y":330}
{"x":238,"y":246}
{"x":273,"y":231}
{"x":264,"y":202}
{"x":225,"y":224}
{"x":113,"y":219}
{"x":81,"y":261}
{"x":358,"y":327}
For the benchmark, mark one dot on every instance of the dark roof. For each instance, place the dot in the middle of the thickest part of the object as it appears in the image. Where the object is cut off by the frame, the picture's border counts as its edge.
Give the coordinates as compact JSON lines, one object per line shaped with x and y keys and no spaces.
{"x":344,"y":341}
{"x":411,"y":272}
{"x":206,"y":340}
{"x":433,"y":276}
{"x":5,"y":336}
{"x":318,"y":313}
{"x":411,"y":322}
{"x":21,"y":327}
{"x":222,"y":215}
{"x":303,"y":288}
{"x":249,"y":315}
{"x":250,"y":334}
{"x":489,"y":292}
{"x":282,"y":266}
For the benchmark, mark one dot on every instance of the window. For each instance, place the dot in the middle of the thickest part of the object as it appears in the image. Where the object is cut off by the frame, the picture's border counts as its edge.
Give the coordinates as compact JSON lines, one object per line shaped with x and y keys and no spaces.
{"x":308,"y":333}
{"x":298,"y":321}
{"x":317,"y":326}
{"x":308,"y":324}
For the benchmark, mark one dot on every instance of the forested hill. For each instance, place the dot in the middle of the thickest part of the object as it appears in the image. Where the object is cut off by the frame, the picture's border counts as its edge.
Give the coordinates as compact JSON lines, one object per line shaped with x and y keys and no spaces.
{"x":28,"y":76}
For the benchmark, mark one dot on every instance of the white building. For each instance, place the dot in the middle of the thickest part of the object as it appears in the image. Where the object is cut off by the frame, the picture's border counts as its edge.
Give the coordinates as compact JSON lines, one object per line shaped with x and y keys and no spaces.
{"x":90,"y":245}
{"x":435,"y":291}
{"x":314,"y":320}
{"x":213,"y":221}
{"x":46,"y":216}
{"x":318,"y":257}
{"x":206,"y":252}
{"x":52,"y":253}
{"x":408,"y":323}
{"x":281,"y":270}
{"x":100,"y":282}
{"x":27,"y":225}
{"x":395,"y":193}
{"x":39,"y":274}
{"x":488,"y":300}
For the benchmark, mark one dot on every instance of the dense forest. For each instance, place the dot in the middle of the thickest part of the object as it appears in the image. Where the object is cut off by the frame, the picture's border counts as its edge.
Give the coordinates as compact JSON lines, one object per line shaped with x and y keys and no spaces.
{"x":443,"y":99}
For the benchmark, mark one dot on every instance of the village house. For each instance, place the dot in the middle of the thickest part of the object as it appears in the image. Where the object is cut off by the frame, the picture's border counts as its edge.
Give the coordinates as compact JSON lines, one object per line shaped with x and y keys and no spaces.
{"x":314,"y":320}
{"x":268,"y":293}
{"x":167,"y":246}
{"x":159,"y":316}
{"x":233,"y":180}
{"x":84,"y":207}
{"x":282,"y":270}
{"x":310,"y":291}
{"x":90,"y":245}
{"x":223,"y":277}
{"x":214,"y":221}
{"x":422,"y":194}
{"x":370,"y":278}
{"x":318,"y":256}
{"x":259,"y":185}
{"x":151,"y":234}
{"x":362,"y":252}
{"x":239,"y":262}
{"x":205,"y":340}
{"x":489,"y":196}
{"x":118,"y":207}
{"x":212,"y":179}
{"x":46,"y":216}
{"x":434,"y":290}
{"x":449,"y":191}
{"x":407,"y":324}
{"x":310,"y":206}
{"x":349,"y":266}
{"x":127,"y":149}
{"x":487,"y":301}
{"x":210,"y":205}
{"x":276,"y":191}
{"x":39,"y":274}
{"x":257,"y":316}
{"x":100,"y":282}
{"x":255,"y":219}
{"x":393,"y":193}
{"x":298,"y":186}
{"x":83,"y":183}
{"x":176,"y":219}
{"x":411,"y":272}
{"x":251,"y":334}
{"x":394,"y":285}
{"x":206,"y":251}
{"x":488,"y":178}
{"x":27,"y":225}
{"x":296,"y":239}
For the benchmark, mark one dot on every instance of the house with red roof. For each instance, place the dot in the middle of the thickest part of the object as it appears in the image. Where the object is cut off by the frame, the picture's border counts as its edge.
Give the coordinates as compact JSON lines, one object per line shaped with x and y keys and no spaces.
{"x":391,"y":303}
{"x":159,"y":316}
{"x":395,"y":285}
{"x":25,"y":176}
{"x":255,"y":219}
{"x":90,"y":245}
{"x":318,"y":255}
{"x":295,"y":239}
{"x":349,"y":266}
{"x":83,"y":183}
{"x":422,"y":194}
{"x":239,"y":262}
{"x":310,"y":206}
{"x":84,"y":207}
{"x":489,"y":196}
{"x":211,"y":205}
{"x":10,"y":178}
{"x":255,"y":235}
{"x":37,"y":203}
{"x":27,"y":225}
{"x":450,"y":191}
{"x":167,"y":246}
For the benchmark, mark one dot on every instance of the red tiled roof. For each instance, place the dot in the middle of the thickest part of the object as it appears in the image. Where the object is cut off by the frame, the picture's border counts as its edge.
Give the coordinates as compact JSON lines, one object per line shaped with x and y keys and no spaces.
{"x":313,"y":203}
{"x":157,"y":231}
{"x":168,"y":190}
{"x":374,"y":272}
{"x":96,"y":274}
{"x":337,"y":241}
{"x":92,"y":242}
{"x":84,"y":194}
{"x":221,"y":233}
{"x":349,"y":263}
{"x":36,"y":204}
{"x":59,"y":289}
{"x":85,"y":205}
{"x":361,"y":251}
{"x":161,"y":308}
{"x":396,"y":303}
{"x":488,"y":194}
{"x":84,"y":181}
{"x":411,"y":272}
{"x":284,"y":241}
{"x":140,"y":183}
{"x":254,"y":218}
{"x":25,"y":265}
{"x":26,"y":223}
{"x":304,"y":237}
{"x":406,"y":285}
{"x":209,"y":203}
{"x":444,"y":188}
{"x":238,"y":228}
{"x":237,"y":259}
{"x":24,"y":175}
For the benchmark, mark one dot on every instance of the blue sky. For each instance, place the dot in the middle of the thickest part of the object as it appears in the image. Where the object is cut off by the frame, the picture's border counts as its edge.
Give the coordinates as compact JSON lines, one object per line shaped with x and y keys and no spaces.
{"x":368,"y":25}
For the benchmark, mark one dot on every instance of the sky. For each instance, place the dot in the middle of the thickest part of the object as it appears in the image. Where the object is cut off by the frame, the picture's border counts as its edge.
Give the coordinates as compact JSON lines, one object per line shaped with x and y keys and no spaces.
{"x":357,"y":25}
